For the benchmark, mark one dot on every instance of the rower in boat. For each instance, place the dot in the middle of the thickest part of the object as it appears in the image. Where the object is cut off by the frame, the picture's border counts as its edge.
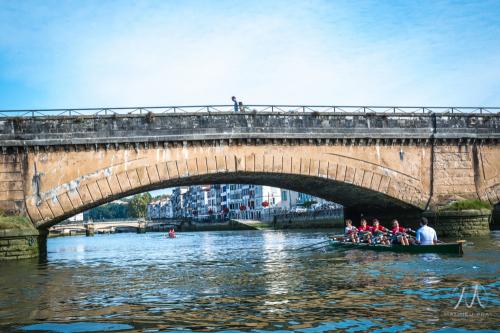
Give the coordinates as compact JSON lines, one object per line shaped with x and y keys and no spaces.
{"x":364,"y":231}
{"x":422,"y":236}
{"x":171,"y":233}
{"x":379,"y":233}
{"x":351,"y":232}
{"x":426,"y":235}
{"x":451,"y":248}
{"x":399,"y":235}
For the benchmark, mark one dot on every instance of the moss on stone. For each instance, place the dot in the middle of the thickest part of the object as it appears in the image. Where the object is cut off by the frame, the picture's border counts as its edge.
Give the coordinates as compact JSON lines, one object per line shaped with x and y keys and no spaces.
{"x":15,"y":222}
{"x":466,"y":205}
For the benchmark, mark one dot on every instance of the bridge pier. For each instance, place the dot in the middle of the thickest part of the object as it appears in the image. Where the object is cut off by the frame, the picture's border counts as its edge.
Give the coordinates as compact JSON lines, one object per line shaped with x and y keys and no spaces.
{"x":141,"y":227}
{"x":465,"y":223}
{"x":42,"y":244}
{"x":20,"y":244}
{"x":89,"y":229}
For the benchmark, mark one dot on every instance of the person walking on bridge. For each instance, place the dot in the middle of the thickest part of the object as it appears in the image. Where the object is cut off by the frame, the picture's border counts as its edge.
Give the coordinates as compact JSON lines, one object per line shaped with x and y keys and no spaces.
{"x":235,"y":104}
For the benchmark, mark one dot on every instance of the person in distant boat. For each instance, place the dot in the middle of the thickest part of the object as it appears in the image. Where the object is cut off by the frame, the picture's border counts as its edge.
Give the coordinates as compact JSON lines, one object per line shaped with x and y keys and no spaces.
{"x":235,"y":103}
{"x":379,"y":233}
{"x":426,"y":235}
{"x":365,"y":231}
{"x":399,"y":235}
{"x":171,"y":233}
{"x":351,"y":231}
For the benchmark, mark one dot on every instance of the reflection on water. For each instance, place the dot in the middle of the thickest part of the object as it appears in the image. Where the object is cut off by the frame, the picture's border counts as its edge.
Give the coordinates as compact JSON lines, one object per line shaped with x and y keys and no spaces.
{"x":243,"y":281}
{"x":76,"y":327}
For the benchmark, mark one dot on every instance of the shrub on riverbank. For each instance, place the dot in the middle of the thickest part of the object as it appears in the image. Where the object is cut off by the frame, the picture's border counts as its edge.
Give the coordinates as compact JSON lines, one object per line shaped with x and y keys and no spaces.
{"x":467,"y":204}
{"x":14,"y":222}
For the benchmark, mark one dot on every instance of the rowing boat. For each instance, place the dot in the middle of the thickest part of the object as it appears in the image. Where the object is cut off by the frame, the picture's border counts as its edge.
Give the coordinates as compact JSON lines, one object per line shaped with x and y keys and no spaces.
{"x":451,"y":248}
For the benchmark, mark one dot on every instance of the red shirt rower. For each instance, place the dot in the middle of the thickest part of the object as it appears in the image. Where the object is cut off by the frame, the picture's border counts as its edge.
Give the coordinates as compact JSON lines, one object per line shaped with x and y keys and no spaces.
{"x":364,"y":227}
{"x":377,"y":227}
{"x":398,"y":230}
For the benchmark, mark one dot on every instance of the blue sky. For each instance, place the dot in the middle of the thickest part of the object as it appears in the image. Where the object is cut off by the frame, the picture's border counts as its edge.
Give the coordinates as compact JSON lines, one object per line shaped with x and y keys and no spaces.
{"x":126,"y":53}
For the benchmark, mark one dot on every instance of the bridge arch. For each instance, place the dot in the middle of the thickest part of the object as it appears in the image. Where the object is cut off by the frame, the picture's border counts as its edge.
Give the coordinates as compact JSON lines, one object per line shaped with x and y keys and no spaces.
{"x":361,"y":177}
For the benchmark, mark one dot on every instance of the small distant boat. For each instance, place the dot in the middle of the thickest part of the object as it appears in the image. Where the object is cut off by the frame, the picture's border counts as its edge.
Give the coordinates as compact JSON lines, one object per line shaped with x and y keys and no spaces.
{"x":170,"y":235}
{"x":450,"y":248}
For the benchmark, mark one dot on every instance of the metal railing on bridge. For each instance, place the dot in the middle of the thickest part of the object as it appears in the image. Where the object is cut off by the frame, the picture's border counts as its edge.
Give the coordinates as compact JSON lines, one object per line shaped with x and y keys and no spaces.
{"x":208,"y":109}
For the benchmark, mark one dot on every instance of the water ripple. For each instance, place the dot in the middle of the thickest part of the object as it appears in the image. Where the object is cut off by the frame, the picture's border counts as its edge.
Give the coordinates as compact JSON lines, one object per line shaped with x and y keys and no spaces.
{"x":247,"y":281}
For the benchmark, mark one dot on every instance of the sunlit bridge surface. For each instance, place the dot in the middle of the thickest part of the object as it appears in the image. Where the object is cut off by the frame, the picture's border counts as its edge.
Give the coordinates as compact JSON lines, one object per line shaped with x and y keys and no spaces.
{"x":243,"y":281}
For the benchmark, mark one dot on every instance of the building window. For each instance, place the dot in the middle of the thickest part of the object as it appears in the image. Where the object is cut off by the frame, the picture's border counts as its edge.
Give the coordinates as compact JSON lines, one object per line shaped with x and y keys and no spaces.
{"x":283,"y":196}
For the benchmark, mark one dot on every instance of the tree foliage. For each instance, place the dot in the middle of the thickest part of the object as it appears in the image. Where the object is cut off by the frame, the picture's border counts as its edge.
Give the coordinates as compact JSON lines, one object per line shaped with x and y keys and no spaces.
{"x":108,"y":211}
{"x":138,"y":205}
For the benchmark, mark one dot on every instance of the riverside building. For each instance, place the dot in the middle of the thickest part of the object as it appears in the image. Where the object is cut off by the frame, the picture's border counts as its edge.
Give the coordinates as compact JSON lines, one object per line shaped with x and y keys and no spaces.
{"x":243,"y":201}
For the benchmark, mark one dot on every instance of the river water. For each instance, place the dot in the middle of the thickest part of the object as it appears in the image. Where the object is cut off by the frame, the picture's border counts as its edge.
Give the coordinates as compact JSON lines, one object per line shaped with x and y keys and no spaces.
{"x":246,"y":281}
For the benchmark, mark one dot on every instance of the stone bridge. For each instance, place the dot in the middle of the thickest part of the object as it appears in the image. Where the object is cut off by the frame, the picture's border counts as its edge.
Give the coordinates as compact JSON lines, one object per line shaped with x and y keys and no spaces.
{"x":52,"y":167}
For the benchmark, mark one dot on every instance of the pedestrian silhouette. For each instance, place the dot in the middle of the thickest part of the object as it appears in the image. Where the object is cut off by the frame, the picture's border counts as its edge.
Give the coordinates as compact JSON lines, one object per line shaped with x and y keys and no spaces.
{"x":235,"y":103}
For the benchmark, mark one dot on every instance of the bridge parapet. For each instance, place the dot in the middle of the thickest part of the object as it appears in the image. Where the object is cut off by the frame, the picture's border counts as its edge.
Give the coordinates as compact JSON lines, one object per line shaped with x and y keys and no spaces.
{"x":210,"y":109}
{"x":156,"y":129}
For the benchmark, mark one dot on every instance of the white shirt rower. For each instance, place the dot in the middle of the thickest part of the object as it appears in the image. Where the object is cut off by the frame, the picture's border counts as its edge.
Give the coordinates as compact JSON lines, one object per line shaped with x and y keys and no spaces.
{"x":426,"y":235}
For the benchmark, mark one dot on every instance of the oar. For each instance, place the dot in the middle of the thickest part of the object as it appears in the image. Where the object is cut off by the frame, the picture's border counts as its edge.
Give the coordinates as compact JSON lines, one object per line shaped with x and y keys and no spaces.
{"x":334,"y":236}
{"x":315,"y":244}
{"x":411,"y":230}
{"x":311,"y":245}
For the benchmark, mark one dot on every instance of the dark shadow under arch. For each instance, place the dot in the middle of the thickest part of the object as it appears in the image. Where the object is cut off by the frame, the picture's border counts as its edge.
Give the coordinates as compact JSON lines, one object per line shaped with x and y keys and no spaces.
{"x":356,"y":199}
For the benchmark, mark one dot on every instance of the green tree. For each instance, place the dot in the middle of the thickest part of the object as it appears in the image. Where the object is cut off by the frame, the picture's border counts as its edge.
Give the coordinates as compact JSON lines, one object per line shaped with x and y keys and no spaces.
{"x":138,"y":205}
{"x":107,"y":211}
{"x":309,"y":203}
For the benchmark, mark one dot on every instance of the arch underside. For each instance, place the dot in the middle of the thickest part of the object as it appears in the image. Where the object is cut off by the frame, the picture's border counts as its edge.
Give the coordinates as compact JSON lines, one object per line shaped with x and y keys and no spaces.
{"x":349,"y":195}
{"x":360,"y":178}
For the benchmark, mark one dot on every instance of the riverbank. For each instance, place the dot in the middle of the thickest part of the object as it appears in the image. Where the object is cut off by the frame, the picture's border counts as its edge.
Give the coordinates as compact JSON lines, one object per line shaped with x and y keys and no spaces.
{"x":288,"y":221}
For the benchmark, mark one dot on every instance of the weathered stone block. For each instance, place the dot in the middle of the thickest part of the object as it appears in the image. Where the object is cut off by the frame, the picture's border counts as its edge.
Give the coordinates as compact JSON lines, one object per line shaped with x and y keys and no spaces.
{"x":267,"y":163}
{"x":142,"y":173}
{"x":85,"y":194}
{"x":220,"y":161}
{"x":114,"y":185}
{"x":123,"y":181}
{"x":18,"y":243}
{"x":153,"y":174}
{"x":278,"y":162}
{"x":460,"y":223}
{"x":65,"y":203}
{"x":165,"y":170}
{"x":182,"y":168}
{"x":55,"y":207}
